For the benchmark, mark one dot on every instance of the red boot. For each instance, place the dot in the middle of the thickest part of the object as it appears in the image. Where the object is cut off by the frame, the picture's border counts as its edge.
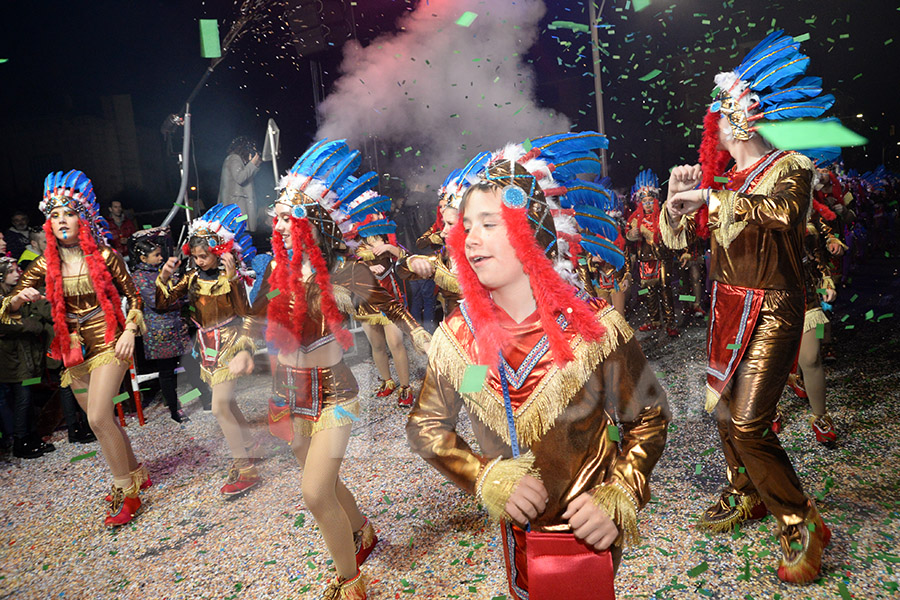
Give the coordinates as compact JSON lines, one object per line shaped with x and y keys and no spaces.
{"x":405,"y":398}
{"x":824,"y":429}
{"x":140,"y":476}
{"x":796,"y":383}
{"x":365,"y":540}
{"x":242,"y":477}
{"x":802,"y":547}
{"x":777,"y":423}
{"x":650,"y":326}
{"x":386,"y":388}
{"x":672,"y":332}
{"x":125,"y":504}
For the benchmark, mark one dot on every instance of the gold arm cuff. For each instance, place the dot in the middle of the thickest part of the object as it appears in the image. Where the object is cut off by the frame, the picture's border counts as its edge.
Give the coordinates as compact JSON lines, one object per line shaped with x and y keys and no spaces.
{"x":444,"y":278}
{"x":621,"y":506}
{"x":365,"y":255}
{"x":137,"y":317}
{"x":676,"y":239}
{"x":728,"y":228}
{"x":7,"y":316}
{"x":813,"y":317}
{"x":498,"y":481}
{"x":828,"y":283}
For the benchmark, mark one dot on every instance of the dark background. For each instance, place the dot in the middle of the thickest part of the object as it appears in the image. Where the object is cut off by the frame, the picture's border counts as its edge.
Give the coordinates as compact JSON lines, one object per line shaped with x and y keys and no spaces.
{"x":65,"y":57}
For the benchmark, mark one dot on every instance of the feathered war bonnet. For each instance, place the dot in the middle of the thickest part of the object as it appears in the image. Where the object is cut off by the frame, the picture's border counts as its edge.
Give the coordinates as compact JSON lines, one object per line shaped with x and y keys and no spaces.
{"x":75,"y":191}
{"x":224,"y":229}
{"x":770,"y":85}
{"x":368,"y":216}
{"x":550,"y":216}
{"x":318,"y":191}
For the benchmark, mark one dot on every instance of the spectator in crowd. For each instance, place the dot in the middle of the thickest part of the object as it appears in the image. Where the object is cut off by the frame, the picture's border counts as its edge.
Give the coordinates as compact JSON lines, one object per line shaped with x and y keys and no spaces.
{"x":19,"y":235}
{"x":238,"y":171}
{"x":121,"y":226}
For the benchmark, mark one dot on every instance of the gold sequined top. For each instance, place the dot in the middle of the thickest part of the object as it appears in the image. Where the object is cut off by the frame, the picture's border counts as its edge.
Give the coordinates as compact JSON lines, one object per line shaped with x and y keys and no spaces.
{"x":758,"y":225}
{"x":562,"y":415}
{"x":214,"y":301}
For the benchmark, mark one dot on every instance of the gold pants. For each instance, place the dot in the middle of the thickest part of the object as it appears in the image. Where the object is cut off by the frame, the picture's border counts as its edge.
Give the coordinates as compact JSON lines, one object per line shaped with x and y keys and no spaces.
{"x":756,"y":460}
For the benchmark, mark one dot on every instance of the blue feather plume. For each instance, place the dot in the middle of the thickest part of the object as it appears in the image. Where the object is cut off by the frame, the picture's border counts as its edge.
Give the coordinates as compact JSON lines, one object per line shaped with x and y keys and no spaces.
{"x":381,"y":204}
{"x":354,"y":186}
{"x":596,"y":221}
{"x":568,"y":167}
{"x":603,"y":248}
{"x":799,"y":110}
{"x":380,"y":227}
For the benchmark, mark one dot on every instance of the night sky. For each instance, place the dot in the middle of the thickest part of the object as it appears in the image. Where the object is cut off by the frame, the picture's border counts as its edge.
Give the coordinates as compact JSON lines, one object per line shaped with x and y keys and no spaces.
{"x":62,"y":55}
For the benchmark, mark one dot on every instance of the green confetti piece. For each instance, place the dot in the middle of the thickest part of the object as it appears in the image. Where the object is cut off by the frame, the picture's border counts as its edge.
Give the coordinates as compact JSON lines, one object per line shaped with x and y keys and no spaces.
{"x":733,"y":347}
{"x":473,"y":379}
{"x":701,"y":568}
{"x":850,"y":327}
{"x":34,"y":381}
{"x":526,"y":145}
{"x":84,"y":391}
{"x":687,"y":298}
{"x":643,"y":291}
{"x":697,"y":469}
{"x":578,"y":27}
{"x":211,"y":352}
{"x":820,"y":331}
{"x":718,"y":179}
{"x":640,"y":5}
{"x":854,"y":297}
{"x":466,"y":19}
{"x":194,"y":393}
{"x":869,"y":315}
{"x":90,"y":454}
{"x":183,"y":206}
{"x":272,"y":294}
{"x":148,"y":226}
{"x":613,"y":433}
{"x":801,"y":38}
{"x":651,"y":75}
{"x":803,"y":135}
{"x":3,"y":60}
{"x":120,"y":398}
{"x":884,"y":316}
{"x":821,"y":291}
{"x":742,"y":469}
{"x":300,"y":520}
{"x":209,"y":39}
{"x":241,"y":218}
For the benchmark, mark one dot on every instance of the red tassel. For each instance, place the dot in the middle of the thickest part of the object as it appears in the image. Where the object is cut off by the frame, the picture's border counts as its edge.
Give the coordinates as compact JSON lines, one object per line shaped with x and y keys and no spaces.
{"x":712,"y":160}
{"x":60,"y":344}
{"x":824,"y":212}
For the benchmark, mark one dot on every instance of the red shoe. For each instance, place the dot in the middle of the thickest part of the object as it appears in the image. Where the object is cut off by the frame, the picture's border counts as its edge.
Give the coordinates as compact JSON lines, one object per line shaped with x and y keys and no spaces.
{"x":699,"y":312}
{"x":125,"y":504}
{"x":405,"y":398}
{"x":647,"y":327}
{"x":386,"y":388}
{"x":241,"y":479}
{"x":802,"y":546}
{"x":777,"y":425}
{"x":796,"y":383}
{"x":823,"y":427}
{"x":140,"y":476}
{"x":672,"y":332}
{"x":365,"y":540}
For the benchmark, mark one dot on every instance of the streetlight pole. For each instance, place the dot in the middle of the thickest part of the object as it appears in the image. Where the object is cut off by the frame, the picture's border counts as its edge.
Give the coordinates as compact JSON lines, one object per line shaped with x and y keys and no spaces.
{"x":598,"y":83}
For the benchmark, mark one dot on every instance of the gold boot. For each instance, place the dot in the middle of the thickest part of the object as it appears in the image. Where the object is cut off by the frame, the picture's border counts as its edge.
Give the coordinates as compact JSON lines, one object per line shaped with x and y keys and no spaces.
{"x":347,"y":589}
{"x":802,"y":546}
{"x":732,"y":509}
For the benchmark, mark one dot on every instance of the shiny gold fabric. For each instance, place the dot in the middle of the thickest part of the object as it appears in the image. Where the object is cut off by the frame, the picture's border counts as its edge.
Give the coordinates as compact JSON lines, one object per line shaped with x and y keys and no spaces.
{"x":757,"y":239}
{"x":562,"y":414}
{"x":89,"y":323}
{"x":339,"y":389}
{"x":449,"y":292}
{"x":352,"y":282}
{"x":218,"y":307}
{"x":816,"y":262}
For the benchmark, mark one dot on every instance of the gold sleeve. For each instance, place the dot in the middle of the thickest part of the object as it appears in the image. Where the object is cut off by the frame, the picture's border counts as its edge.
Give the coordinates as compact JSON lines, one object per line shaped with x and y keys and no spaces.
{"x":167,"y":293}
{"x":781,"y":210}
{"x":643,"y":412}
{"x":32,"y":278}
{"x":677,"y":236}
{"x":363,"y":285}
{"x":238,"y":297}
{"x":431,"y":431}
{"x":256,"y":313}
{"x":429,"y":238}
{"x":125,"y":284}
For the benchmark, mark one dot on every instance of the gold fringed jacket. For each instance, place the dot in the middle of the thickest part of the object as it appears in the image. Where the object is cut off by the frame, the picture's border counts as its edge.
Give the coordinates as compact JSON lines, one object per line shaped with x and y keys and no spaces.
{"x":218,"y":307}
{"x":84,"y":317}
{"x":566,"y":419}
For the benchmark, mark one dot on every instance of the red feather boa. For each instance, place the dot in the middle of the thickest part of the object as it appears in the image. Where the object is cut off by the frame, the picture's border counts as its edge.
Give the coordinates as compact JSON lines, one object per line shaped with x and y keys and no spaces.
{"x":552,"y":295}
{"x":104,"y":289}
{"x":713,"y":163}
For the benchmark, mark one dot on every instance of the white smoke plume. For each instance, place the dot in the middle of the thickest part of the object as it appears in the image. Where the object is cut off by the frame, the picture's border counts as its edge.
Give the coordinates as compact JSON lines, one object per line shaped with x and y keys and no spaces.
{"x":438,"y":93}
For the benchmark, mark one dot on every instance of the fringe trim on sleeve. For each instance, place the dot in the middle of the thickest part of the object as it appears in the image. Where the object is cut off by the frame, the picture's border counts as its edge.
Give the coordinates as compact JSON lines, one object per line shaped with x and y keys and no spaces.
{"x":444,"y":278}
{"x":7,"y":316}
{"x":498,"y":480}
{"x":343,"y":299}
{"x":728,"y":228}
{"x":813,"y":317}
{"x":674,"y":239}
{"x":621,"y":507}
{"x":137,"y":317}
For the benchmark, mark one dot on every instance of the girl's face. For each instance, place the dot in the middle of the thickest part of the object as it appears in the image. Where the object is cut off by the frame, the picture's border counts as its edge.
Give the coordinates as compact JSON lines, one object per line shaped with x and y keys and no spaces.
{"x":204,"y":259}
{"x":450,"y":215}
{"x":283,"y":223}
{"x":12,"y":278}
{"x":154,"y":258}
{"x":65,"y":225}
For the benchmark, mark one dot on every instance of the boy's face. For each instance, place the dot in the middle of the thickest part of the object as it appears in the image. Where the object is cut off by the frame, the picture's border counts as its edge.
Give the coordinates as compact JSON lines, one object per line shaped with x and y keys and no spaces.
{"x":487,"y":246}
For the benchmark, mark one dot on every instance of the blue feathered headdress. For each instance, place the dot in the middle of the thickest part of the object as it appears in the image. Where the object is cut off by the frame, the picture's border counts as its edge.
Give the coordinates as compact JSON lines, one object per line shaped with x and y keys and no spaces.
{"x":225,"y":228}
{"x":541,"y":176}
{"x":320,"y":186}
{"x":74,"y":190}
{"x":645,"y":181}
{"x":769,"y":84}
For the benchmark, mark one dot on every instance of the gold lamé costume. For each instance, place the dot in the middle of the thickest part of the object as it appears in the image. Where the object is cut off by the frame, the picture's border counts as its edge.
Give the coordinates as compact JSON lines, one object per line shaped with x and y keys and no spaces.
{"x":84,"y":316}
{"x":334,"y":388}
{"x":218,"y":307}
{"x":449,"y":293}
{"x":367,"y":312}
{"x":817,"y":270}
{"x":756,"y":318}
{"x":563,"y":417}
{"x":600,"y":279}
{"x":653,"y":260}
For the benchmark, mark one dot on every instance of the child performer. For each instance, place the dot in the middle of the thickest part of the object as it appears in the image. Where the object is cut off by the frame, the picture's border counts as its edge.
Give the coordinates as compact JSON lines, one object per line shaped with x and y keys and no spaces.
{"x":563,"y":369}
{"x":218,"y":245}
{"x":85,"y":279}
{"x":378,"y":249}
{"x":652,"y":255}
{"x":308,"y":290}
